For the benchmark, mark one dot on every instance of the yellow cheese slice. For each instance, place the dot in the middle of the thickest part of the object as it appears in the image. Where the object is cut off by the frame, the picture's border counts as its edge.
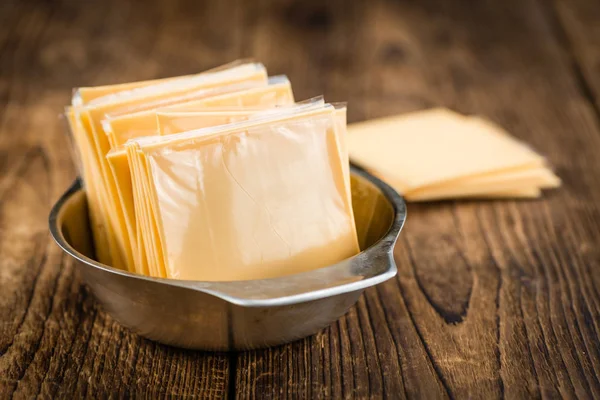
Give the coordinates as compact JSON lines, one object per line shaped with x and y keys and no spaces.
{"x":121,"y":128}
{"x":146,"y":212}
{"x":434,"y":147}
{"x":91,"y":181}
{"x":218,"y":219}
{"x":120,"y":164}
{"x":540,"y":178}
{"x":532,"y":193}
{"x":277,"y":93}
{"x":185,"y":117}
{"x":341,"y":121}
{"x":84,"y":95}
{"x":114,"y":92}
{"x":90,"y":117}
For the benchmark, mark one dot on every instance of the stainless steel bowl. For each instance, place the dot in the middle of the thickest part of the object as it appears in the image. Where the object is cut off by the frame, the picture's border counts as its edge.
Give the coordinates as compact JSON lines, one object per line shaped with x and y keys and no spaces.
{"x":243,"y":314}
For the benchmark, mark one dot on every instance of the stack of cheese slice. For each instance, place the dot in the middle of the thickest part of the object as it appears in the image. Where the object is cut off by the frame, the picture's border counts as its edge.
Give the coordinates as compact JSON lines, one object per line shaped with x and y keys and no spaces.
{"x":90,"y":108}
{"x":214,"y":176}
{"x":439,"y":154}
{"x":253,"y":199}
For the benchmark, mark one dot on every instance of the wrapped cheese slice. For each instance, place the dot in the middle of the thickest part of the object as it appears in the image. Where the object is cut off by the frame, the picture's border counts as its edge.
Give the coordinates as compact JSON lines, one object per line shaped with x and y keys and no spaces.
{"x":277,"y":93}
{"x":341,"y":111}
{"x":210,"y":112}
{"x":89,"y":117}
{"x":122,"y":127}
{"x":95,"y":198}
{"x":86,"y":95}
{"x":219,"y":219}
{"x":140,"y":121}
{"x":222,"y":110}
{"x":118,"y":159}
{"x":84,"y":154}
{"x":191,"y":115}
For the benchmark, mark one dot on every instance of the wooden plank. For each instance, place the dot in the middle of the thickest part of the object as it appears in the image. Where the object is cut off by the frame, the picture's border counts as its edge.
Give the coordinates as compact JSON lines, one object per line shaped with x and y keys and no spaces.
{"x":576,"y":23}
{"x":54,"y":340}
{"x":493,"y":298}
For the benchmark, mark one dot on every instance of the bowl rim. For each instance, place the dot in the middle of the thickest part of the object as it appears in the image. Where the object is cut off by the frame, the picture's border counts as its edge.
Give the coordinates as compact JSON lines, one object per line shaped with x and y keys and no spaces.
{"x":222,"y":289}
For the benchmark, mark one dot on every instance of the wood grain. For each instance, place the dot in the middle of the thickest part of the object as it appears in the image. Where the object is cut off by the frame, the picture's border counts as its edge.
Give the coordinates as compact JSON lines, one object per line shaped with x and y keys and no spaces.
{"x":576,"y":25}
{"x":492,"y":299}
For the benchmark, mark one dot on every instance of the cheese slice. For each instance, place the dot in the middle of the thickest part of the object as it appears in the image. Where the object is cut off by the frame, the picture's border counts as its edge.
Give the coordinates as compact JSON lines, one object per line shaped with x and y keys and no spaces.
{"x":512,"y":194}
{"x":86,"y":95}
{"x":128,"y":103}
{"x":434,"y":147}
{"x":540,"y":178}
{"x":341,"y":121}
{"x":191,"y":115}
{"x":123,"y":126}
{"x":119,"y":167}
{"x":219,"y":219}
{"x":183,"y":118}
{"x":90,"y":116}
{"x":120,"y":162}
{"x":91,"y":180}
{"x":145,"y":212}
{"x":277,"y":93}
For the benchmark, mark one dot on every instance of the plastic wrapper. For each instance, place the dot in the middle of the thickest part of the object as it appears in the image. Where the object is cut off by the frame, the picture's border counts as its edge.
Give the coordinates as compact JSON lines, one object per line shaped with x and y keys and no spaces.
{"x":85,"y":95}
{"x":278,"y":92}
{"x":341,"y":111}
{"x":256,"y":199}
{"x":93,"y":146}
{"x":140,"y":119}
{"x":193,"y":115}
{"x":122,"y":126}
{"x":178,"y":85}
{"x":123,"y":174}
{"x":82,"y":156}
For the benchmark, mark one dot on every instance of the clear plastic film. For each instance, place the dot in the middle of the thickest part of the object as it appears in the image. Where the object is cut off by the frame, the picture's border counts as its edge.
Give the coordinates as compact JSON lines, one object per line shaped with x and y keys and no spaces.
{"x":70,"y":124}
{"x":85,"y":95}
{"x":256,"y":199}
{"x":277,"y":92}
{"x":139,"y":119}
{"x":124,"y":175}
{"x":144,"y":124}
{"x":183,"y":84}
{"x":93,"y":146}
{"x":81,"y":150}
{"x":171,"y":120}
{"x":184,"y":117}
{"x":341,"y":121}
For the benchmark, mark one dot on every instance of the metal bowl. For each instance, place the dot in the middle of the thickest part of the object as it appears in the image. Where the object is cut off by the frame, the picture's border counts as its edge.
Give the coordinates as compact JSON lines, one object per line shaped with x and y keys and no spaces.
{"x":242,"y":314}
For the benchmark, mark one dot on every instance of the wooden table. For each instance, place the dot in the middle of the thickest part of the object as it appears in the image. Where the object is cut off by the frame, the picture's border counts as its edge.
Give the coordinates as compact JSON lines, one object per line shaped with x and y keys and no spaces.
{"x":492,"y":298}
